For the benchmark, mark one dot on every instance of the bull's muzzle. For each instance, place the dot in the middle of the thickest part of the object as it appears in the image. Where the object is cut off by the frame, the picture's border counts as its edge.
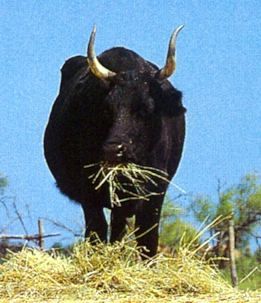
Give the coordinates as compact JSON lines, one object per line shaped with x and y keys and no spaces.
{"x":115,"y":152}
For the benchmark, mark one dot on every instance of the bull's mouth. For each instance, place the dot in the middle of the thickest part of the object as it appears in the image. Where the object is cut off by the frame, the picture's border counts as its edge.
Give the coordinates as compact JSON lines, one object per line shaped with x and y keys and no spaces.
{"x":127,"y":181}
{"x":123,"y":162}
{"x":119,"y":158}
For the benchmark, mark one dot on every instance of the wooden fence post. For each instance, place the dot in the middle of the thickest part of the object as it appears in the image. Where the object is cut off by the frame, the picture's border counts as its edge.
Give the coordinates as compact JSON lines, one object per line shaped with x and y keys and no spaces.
{"x":41,"y":233}
{"x":233,"y":270}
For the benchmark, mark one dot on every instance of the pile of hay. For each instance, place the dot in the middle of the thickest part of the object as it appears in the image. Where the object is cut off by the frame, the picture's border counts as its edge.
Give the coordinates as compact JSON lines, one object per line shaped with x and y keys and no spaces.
{"x":111,"y":273}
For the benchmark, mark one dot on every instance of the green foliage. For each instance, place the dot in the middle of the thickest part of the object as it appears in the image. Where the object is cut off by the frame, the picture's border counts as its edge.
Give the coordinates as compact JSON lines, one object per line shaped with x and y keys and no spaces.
{"x":169,"y":212}
{"x":203,"y":209}
{"x":173,"y":229}
{"x":242,"y":202}
{"x":225,"y":206}
{"x":245,"y":265}
{"x":258,"y":255}
{"x":172,"y":233}
{"x":3,"y":183}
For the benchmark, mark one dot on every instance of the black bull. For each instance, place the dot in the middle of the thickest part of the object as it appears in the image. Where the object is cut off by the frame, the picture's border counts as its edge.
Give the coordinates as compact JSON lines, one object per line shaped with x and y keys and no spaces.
{"x":118,"y":108}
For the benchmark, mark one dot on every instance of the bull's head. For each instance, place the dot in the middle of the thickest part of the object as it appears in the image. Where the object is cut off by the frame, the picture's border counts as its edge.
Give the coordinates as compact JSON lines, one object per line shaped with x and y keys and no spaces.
{"x":135,"y":105}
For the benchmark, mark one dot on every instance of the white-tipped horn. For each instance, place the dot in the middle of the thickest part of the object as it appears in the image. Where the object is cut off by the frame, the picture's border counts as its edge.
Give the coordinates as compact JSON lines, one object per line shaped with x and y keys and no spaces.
{"x":96,"y":67}
{"x":170,"y":65}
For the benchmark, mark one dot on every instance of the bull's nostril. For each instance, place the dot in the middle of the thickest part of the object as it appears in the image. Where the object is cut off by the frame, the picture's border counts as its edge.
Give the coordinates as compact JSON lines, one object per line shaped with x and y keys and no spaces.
{"x":120,"y":154}
{"x":121,"y":149}
{"x":114,"y":151}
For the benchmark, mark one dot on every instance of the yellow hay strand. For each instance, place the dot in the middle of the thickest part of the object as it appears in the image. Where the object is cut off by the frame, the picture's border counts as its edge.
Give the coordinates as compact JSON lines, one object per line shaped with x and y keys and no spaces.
{"x":137,"y":180}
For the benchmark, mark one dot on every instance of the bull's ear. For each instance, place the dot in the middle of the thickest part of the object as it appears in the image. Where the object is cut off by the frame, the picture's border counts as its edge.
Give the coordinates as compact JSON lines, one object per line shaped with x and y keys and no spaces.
{"x":71,"y":67}
{"x":172,"y":103}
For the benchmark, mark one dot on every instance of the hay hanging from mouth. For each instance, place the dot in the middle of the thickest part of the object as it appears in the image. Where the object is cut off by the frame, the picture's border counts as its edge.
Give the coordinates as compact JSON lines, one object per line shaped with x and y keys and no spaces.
{"x":131,"y":181}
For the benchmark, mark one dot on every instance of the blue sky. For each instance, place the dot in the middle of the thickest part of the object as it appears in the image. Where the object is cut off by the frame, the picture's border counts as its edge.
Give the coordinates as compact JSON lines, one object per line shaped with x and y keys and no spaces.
{"x":218,"y":70}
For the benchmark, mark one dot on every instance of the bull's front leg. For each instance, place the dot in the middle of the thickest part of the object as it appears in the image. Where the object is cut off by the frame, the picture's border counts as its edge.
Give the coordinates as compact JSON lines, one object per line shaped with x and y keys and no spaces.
{"x":147,"y":226}
{"x":118,"y":224}
{"x":95,"y":222}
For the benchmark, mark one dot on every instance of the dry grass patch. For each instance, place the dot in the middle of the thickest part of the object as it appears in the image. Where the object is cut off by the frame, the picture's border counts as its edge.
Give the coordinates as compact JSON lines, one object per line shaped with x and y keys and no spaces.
{"x":110,"y":273}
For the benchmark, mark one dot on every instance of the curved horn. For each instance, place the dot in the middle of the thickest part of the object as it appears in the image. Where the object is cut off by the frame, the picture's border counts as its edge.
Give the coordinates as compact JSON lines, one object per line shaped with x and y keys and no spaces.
{"x":96,"y":67}
{"x":170,"y":65}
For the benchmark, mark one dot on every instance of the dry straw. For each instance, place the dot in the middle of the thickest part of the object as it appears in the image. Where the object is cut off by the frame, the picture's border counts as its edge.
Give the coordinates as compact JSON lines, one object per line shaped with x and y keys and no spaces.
{"x":111,"y":273}
{"x":134,"y":182}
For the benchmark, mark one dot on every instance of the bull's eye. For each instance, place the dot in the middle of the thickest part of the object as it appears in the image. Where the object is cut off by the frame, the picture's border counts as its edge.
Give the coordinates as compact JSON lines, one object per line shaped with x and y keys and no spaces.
{"x":145,"y":107}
